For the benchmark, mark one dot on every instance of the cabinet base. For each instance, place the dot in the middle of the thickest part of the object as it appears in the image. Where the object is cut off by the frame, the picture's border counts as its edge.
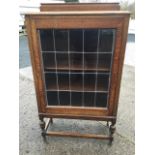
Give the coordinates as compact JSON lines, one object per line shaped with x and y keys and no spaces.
{"x":44,"y":126}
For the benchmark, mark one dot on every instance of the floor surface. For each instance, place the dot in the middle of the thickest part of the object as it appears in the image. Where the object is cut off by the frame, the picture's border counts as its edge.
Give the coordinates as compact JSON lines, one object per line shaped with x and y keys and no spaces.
{"x":31,"y":142}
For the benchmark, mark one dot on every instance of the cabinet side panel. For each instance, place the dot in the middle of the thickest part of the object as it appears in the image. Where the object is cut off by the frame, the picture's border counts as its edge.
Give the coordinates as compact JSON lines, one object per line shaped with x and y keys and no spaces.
{"x":121,"y":38}
{"x":32,"y":48}
{"x":121,"y":61}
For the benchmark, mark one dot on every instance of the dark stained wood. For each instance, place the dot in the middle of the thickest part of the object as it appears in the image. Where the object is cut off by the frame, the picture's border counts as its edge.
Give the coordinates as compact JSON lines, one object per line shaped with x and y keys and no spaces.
{"x":86,"y":117}
{"x":79,"y":6}
{"x":121,"y":61}
{"x":71,"y":110}
{"x":76,"y":134}
{"x":115,"y":67}
{"x":112,"y":129}
{"x":28,"y":23}
{"x":78,"y":19}
{"x":77,"y":68}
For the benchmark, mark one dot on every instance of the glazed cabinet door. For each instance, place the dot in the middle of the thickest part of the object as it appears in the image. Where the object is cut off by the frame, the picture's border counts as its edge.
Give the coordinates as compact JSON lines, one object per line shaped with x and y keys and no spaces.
{"x":78,"y":68}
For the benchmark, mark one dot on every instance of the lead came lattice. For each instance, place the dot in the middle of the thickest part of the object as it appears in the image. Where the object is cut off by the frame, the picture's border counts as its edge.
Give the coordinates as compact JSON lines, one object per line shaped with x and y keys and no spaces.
{"x":77,"y":65}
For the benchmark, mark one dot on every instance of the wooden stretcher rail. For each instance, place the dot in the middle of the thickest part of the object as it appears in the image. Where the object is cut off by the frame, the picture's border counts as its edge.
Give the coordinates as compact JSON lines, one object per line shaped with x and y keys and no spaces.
{"x":75,"y":134}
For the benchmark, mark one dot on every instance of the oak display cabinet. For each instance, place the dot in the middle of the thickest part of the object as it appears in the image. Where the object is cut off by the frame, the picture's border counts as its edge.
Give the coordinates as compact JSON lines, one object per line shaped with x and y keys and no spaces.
{"x":77,"y":59}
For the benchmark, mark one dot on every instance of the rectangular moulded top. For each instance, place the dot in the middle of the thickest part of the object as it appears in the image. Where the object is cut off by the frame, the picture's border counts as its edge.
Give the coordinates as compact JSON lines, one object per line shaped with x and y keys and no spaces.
{"x":78,"y":13}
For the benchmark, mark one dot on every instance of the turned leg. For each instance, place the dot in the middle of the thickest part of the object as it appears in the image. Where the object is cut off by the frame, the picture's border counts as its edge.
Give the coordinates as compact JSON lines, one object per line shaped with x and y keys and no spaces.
{"x":51,"y":120}
{"x":42,"y":125}
{"x":107,"y":124}
{"x":112,"y":131}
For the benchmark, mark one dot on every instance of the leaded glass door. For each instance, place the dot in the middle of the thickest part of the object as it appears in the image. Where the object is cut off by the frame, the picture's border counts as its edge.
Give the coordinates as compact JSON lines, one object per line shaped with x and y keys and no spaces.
{"x":77,"y":66}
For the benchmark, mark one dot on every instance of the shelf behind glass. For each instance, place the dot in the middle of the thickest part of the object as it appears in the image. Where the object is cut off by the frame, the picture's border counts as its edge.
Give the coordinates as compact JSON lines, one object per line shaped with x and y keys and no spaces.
{"x":86,"y":99}
{"x":76,"y":61}
{"x":77,"y":82}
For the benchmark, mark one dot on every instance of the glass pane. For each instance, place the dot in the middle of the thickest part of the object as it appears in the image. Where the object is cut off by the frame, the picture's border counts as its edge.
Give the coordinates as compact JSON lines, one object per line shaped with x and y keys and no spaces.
{"x":48,"y":61}
{"x":61,"y":40}
{"x":50,"y":81}
{"x":106,"y":40}
{"x":102,"y":82}
{"x":89,"y":82}
{"x":76,"y":60}
{"x":63,"y":81}
{"x":76,"y":98}
{"x":76,"y":41}
{"x":89,"y":99}
{"x":64,"y":98}
{"x":90,"y":61}
{"x":90,"y":40}
{"x":76,"y":82}
{"x":52,"y":98}
{"x":104,"y":61}
{"x":101,"y":100}
{"x":62,"y":61}
{"x":46,"y":39}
